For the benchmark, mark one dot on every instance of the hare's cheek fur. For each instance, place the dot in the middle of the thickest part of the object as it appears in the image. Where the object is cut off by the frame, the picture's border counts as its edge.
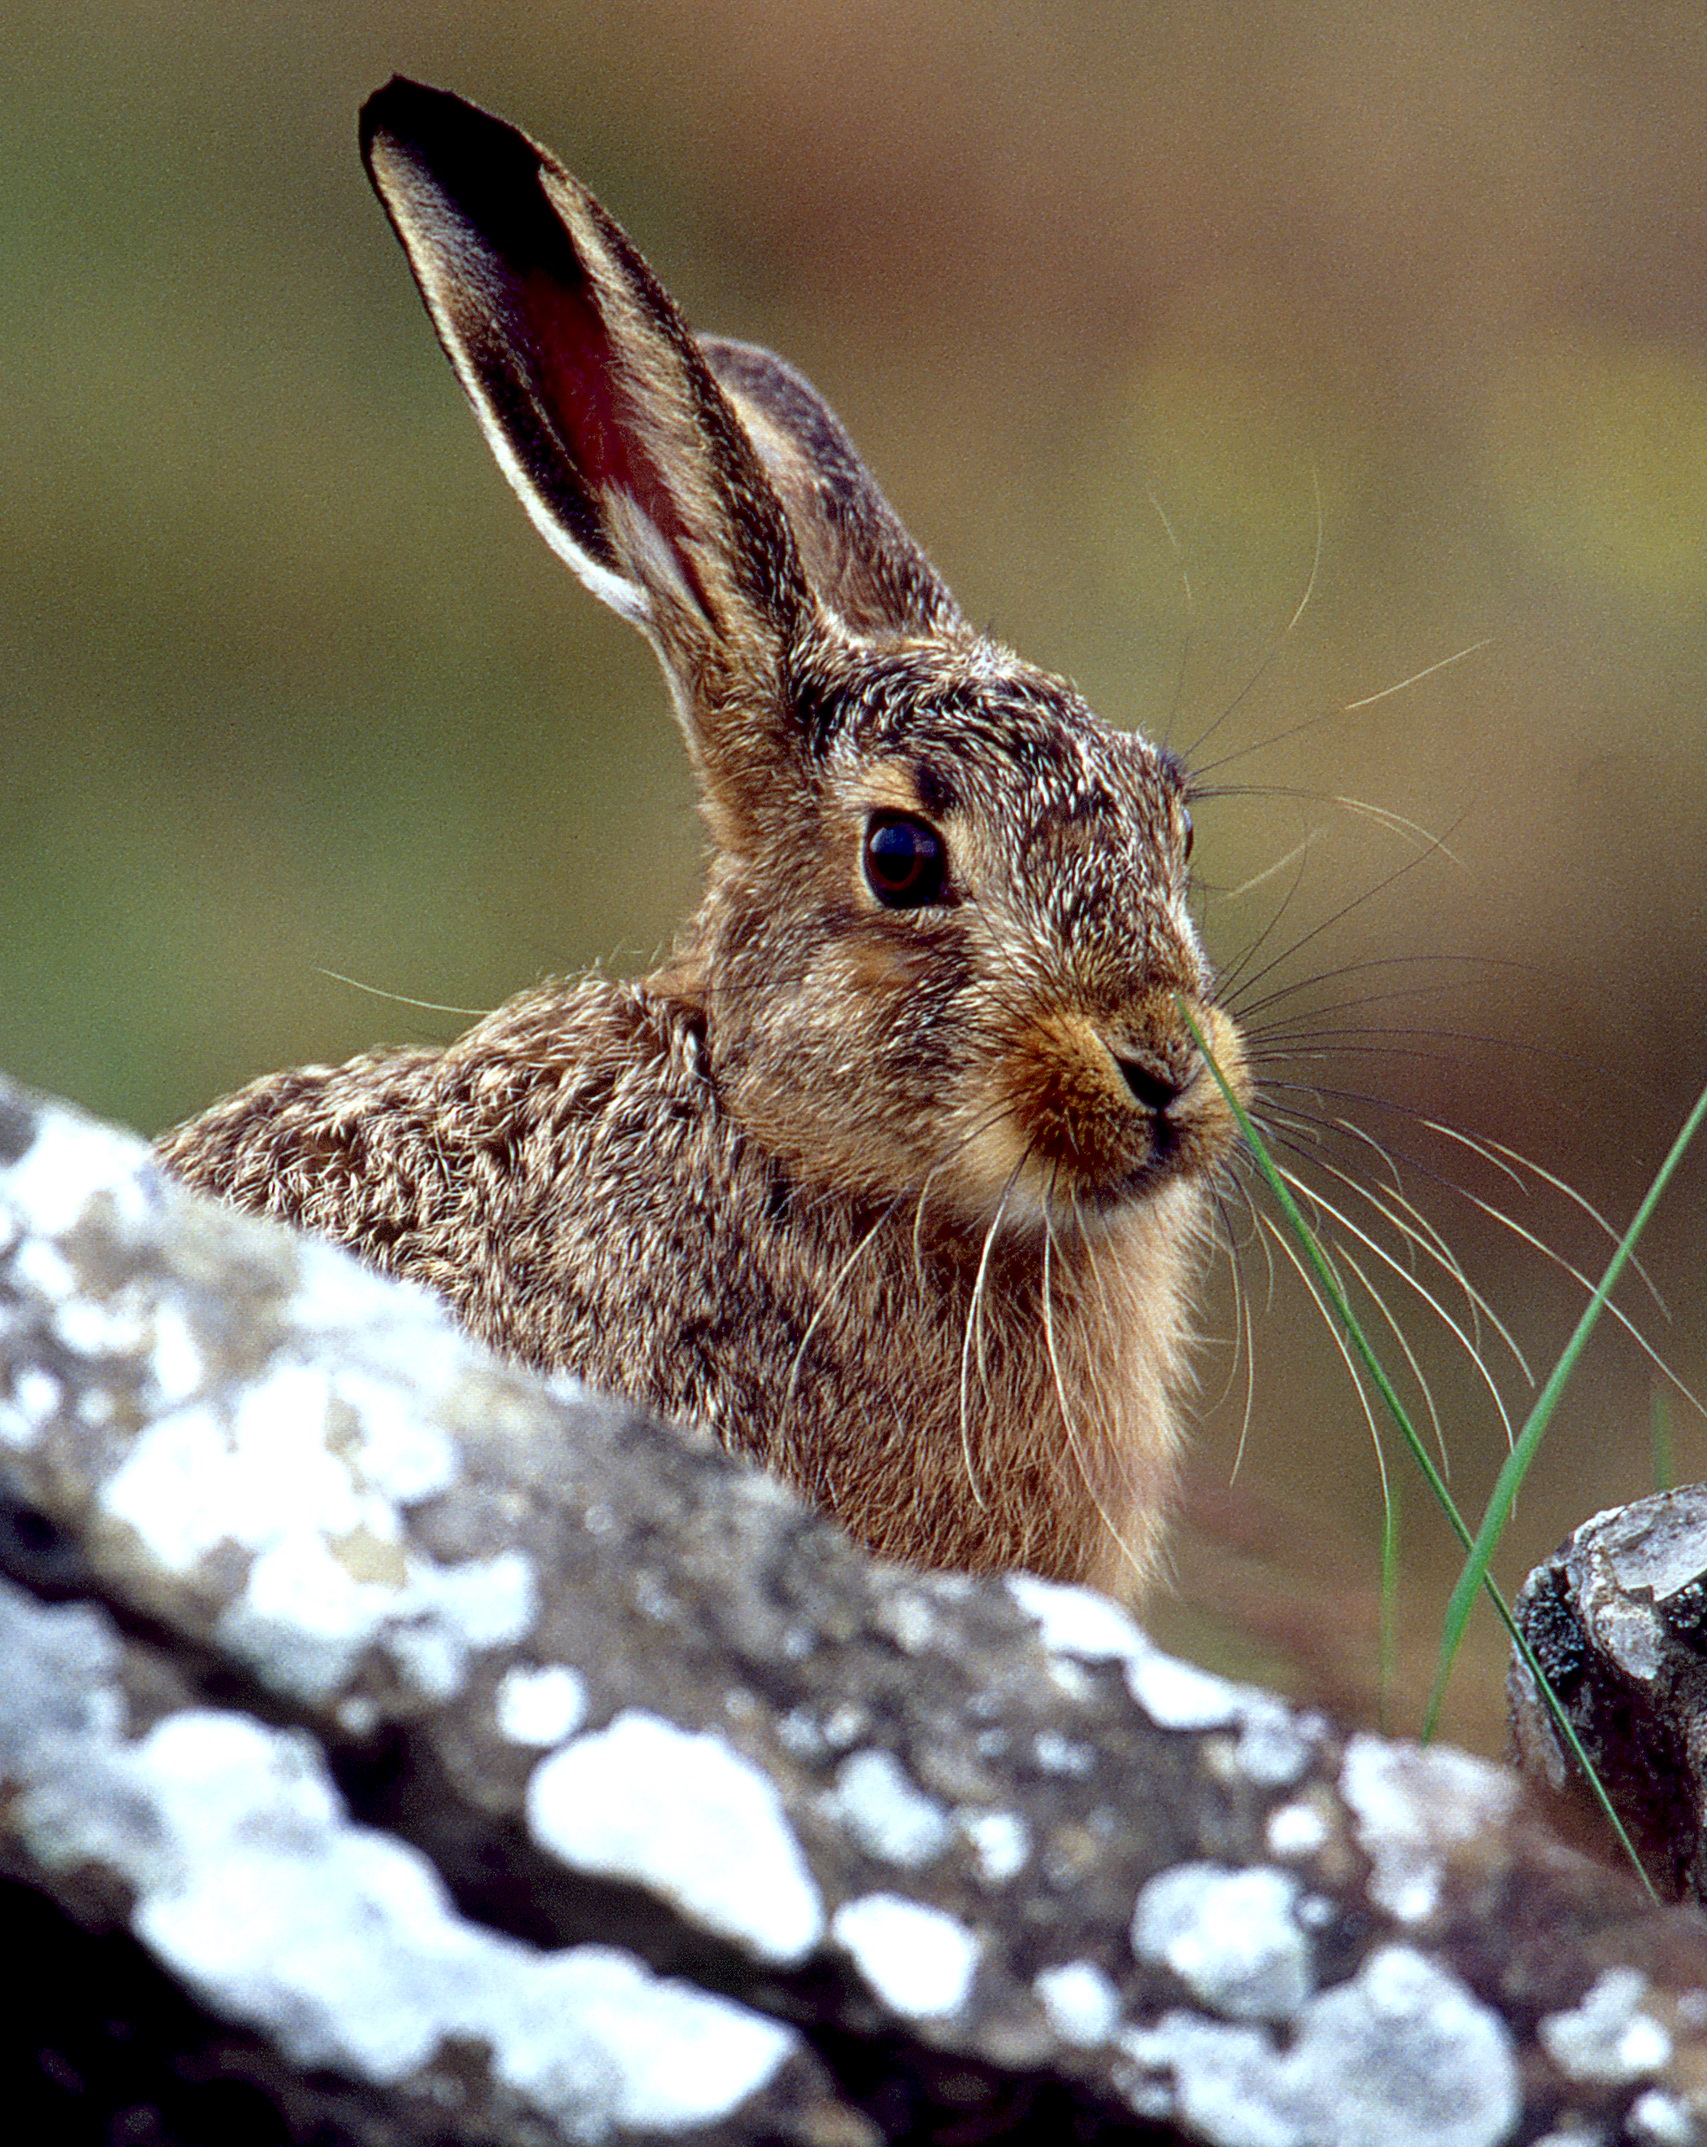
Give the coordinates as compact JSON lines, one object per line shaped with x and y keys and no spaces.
{"x":847,"y":1064}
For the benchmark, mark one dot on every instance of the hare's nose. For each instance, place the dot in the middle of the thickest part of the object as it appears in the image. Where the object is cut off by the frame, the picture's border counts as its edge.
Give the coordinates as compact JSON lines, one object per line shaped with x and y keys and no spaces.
{"x":1156,"y":1083}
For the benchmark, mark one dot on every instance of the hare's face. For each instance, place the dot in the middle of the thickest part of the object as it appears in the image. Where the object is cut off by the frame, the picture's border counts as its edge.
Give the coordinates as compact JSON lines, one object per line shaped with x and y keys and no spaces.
{"x":964,"y":964}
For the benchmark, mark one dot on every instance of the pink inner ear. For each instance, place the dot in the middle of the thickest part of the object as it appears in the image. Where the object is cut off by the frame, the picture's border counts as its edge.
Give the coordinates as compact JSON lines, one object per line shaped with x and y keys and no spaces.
{"x":580,"y":378}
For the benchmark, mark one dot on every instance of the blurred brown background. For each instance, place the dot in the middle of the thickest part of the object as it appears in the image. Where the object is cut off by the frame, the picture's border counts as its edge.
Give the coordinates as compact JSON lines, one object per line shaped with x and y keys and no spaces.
{"x":289,"y":686}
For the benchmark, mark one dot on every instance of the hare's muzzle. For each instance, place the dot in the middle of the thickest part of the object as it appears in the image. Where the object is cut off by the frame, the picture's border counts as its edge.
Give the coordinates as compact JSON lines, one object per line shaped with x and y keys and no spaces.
{"x":1102,"y":1117}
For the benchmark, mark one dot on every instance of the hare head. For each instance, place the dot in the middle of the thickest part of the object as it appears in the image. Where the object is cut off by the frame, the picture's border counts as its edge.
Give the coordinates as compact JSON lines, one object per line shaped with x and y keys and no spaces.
{"x":945,"y":952}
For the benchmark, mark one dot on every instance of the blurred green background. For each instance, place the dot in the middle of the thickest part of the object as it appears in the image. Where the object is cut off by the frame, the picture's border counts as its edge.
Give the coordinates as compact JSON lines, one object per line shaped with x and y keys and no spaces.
{"x":288,"y":686}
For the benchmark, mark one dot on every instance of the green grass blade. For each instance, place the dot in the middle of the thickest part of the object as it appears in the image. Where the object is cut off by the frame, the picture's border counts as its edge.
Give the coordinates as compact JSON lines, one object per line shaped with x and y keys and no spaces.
{"x":1528,"y":1440}
{"x":1323,"y":1271}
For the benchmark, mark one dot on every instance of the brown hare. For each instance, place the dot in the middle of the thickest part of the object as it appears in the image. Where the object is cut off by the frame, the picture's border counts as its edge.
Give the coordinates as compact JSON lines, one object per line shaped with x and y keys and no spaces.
{"x":898,"y":1172}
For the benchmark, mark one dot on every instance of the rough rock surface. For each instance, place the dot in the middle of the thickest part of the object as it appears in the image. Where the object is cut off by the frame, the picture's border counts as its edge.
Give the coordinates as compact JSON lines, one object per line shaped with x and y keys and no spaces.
{"x":395,"y":1748}
{"x":1618,"y":1620}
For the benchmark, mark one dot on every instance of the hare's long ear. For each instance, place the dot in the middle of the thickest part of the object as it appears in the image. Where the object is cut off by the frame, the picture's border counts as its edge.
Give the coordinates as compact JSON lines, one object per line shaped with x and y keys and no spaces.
{"x":860,"y":560}
{"x":593,"y":395}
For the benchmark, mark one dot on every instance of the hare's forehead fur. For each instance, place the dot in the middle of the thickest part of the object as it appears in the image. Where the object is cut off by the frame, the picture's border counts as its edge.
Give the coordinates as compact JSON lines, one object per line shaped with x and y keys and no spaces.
{"x":1066,"y":832}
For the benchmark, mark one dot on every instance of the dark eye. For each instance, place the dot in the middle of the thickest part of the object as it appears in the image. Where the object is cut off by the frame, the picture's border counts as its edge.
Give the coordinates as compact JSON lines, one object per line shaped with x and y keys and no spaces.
{"x":905,"y":862}
{"x":1188,"y":835}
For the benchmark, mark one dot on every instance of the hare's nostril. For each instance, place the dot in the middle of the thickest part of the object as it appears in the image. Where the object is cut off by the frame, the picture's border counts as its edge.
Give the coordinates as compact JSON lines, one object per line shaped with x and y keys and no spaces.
{"x":1151,"y":1084}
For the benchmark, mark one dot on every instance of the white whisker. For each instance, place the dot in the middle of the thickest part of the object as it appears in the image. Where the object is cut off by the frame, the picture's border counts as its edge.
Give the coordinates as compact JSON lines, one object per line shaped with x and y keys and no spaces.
{"x":1068,"y":1424}
{"x":1344,"y":1221}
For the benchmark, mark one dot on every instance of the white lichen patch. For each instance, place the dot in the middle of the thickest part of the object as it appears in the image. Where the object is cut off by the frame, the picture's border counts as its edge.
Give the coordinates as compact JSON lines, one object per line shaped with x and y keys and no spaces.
{"x":255,"y":1476}
{"x":1176,"y":1695}
{"x":402,"y":1325}
{"x":177,"y":1368}
{"x":394,"y":1447}
{"x":1179,"y":1696}
{"x":341,"y":1945}
{"x":1077,"y":1621}
{"x":1295,"y":1830}
{"x":1633,"y":1633}
{"x":920,"y":1961}
{"x":1275,"y":1744}
{"x":540,"y":1706}
{"x":1401,"y":2056}
{"x":1062,"y":1756}
{"x":72,"y":1163}
{"x":309,"y":1607}
{"x":34,"y":1401}
{"x":682,"y":2058}
{"x":1607,"y":2038}
{"x":1082,"y":2005}
{"x":1660,"y":2120}
{"x":309,"y":1470}
{"x":1000,"y":1840}
{"x":688,"y":1817}
{"x":845,"y":1723}
{"x":1413,"y":1809}
{"x":41,"y":1269}
{"x":1230,"y":1936}
{"x":885,"y":1812}
{"x":909,"y":1617}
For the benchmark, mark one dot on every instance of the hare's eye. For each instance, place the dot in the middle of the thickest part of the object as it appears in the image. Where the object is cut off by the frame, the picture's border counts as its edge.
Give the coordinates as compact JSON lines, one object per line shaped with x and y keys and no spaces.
{"x":1188,"y":835}
{"x":905,"y":862}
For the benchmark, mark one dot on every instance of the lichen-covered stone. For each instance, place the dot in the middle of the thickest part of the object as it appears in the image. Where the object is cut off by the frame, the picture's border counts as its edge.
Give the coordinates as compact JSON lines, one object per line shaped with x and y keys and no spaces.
{"x":1617,"y":1618}
{"x":427,"y":1752}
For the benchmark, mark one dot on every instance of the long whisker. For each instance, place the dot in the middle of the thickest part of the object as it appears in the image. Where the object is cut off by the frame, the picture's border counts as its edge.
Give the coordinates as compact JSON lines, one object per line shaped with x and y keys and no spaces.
{"x":1613,"y":1311}
{"x":1292,"y":857}
{"x":828,"y":1297}
{"x":1223,"y":1242}
{"x":1513,"y":1161}
{"x":397,"y":998}
{"x":1345,"y":909}
{"x":1280,"y":640}
{"x":1331,"y":1322}
{"x":1068,"y":1424}
{"x":1244,"y":1328}
{"x":1416,"y":678}
{"x":1178,"y":695}
{"x":1393,"y":1188}
{"x":1417,"y":1231}
{"x":1252,"y":1007}
{"x":1344,"y":708}
{"x":1410,"y":1357}
{"x":972,"y":1337}
{"x":1344,"y":1221}
{"x":1508,"y":1162}
{"x":1230,"y":983}
{"x":974,"y":1132}
{"x":1383,"y":816}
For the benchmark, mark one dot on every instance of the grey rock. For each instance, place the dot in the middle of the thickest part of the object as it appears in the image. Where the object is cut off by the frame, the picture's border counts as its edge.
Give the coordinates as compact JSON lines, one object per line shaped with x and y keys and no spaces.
{"x":1617,"y":1619}
{"x":399,"y":1748}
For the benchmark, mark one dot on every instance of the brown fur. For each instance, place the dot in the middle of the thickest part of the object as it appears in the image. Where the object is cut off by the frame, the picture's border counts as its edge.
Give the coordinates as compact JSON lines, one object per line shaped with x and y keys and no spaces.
{"x":907,"y":1202}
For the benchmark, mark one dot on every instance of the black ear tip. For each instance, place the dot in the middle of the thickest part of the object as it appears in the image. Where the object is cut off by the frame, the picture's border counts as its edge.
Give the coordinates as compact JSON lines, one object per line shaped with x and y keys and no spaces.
{"x":389,"y":109}
{"x":479,"y":158}
{"x":427,"y":120}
